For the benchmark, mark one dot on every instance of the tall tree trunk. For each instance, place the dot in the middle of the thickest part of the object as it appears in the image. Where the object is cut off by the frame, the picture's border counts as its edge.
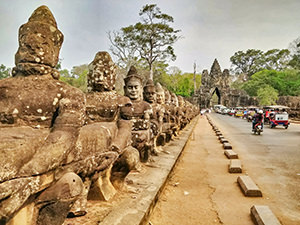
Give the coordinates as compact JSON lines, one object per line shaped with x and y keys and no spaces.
{"x":151,"y":73}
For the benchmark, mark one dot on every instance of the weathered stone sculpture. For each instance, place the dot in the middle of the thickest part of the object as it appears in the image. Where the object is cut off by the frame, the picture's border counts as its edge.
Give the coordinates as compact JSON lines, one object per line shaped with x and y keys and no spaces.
{"x":105,"y":133}
{"x":156,"y":116}
{"x":40,"y":119}
{"x":139,"y":113}
{"x":166,"y":132}
{"x":182,"y":112}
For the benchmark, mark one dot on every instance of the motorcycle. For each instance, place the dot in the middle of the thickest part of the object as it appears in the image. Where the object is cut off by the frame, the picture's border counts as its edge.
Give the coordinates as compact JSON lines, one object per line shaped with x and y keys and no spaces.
{"x":258,"y":128}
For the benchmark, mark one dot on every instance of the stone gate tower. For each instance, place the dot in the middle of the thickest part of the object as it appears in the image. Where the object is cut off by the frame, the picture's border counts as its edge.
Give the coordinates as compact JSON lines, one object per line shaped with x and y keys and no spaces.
{"x":218,"y":82}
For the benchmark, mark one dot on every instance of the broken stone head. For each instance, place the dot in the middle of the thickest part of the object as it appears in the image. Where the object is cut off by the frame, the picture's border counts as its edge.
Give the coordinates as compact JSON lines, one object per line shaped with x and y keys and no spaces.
{"x":39,"y":45}
{"x":102,"y":73}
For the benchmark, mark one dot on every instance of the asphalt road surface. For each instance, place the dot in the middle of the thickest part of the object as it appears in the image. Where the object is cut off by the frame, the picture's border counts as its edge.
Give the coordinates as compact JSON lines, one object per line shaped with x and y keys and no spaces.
{"x":272,"y":159}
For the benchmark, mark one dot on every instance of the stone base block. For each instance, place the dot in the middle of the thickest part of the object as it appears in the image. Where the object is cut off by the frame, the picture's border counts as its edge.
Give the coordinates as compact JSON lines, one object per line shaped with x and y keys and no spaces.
{"x":220,"y":137}
{"x":262,"y":215}
{"x":226,"y":145}
{"x":235,"y":166}
{"x":249,"y":188}
{"x":231,"y":154}
{"x":223,"y":140}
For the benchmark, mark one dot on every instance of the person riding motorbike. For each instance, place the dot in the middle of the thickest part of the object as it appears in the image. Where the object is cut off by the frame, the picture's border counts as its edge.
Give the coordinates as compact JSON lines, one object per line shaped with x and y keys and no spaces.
{"x":258,"y":118}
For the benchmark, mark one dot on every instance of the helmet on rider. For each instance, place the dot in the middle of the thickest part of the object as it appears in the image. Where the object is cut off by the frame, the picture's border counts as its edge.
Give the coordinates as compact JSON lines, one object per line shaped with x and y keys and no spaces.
{"x":260,"y":112}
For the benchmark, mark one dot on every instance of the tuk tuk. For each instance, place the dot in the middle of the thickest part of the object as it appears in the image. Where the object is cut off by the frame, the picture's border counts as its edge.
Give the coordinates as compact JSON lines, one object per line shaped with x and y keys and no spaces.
{"x":278,"y":115}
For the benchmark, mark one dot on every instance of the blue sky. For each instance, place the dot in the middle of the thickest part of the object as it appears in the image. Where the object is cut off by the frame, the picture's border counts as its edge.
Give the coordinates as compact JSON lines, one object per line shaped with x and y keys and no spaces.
{"x":210,"y":28}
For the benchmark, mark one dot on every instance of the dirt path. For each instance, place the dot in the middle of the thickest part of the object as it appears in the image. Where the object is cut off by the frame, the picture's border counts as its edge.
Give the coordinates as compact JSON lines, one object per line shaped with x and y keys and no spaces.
{"x":200,"y":190}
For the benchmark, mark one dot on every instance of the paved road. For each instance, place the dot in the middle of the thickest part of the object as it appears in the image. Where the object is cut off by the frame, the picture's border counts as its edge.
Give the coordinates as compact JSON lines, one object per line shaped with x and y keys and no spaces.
{"x":271,"y":159}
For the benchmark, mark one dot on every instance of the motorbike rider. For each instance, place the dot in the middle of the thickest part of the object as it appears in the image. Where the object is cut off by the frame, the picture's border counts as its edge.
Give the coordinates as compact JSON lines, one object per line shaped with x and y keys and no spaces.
{"x":258,"y":118}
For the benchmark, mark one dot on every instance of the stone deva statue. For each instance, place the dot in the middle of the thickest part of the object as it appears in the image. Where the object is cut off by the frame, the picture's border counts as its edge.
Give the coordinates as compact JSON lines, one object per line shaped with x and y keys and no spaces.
{"x":40,"y":119}
{"x":139,"y":113}
{"x":157,"y":114}
{"x":105,"y":135}
{"x":166,"y":132}
{"x":182,"y":111}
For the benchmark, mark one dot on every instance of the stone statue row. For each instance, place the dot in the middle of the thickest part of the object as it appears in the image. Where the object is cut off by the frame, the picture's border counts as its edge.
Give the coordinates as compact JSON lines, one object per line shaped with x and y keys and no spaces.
{"x":60,"y":146}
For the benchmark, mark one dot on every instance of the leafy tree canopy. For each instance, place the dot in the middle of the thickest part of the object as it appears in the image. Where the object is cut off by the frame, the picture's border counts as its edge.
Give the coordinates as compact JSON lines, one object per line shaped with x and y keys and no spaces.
{"x":149,"y":40}
{"x":4,"y":72}
{"x":286,"y":82}
{"x":294,"y":48}
{"x":77,"y":77}
{"x":253,"y":61}
{"x":178,"y":82}
{"x":267,"y":95}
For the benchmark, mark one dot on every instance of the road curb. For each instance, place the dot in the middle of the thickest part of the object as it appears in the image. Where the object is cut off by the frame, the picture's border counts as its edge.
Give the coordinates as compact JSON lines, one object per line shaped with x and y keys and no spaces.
{"x":262,"y":215}
{"x":235,"y":166}
{"x":231,"y":154}
{"x":248,"y":187}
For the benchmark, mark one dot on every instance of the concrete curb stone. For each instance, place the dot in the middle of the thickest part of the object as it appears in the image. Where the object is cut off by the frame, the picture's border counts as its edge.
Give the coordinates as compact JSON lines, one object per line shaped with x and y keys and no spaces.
{"x":231,"y":154}
{"x":235,"y":166}
{"x":249,"y":188}
{"x":262,"y":215}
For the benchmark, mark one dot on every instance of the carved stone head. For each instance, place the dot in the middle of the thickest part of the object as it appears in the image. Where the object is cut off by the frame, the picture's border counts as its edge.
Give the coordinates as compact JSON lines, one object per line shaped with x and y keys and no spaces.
{"x":167,"y":97}
{"x":102,"y":73}
{"x":133,"y":85}
{"x":160,"y":94}
{"x":39,"y":45}
{"x":174,"y":100}
{"x":181,"y":102}
{"x":149,"y":92}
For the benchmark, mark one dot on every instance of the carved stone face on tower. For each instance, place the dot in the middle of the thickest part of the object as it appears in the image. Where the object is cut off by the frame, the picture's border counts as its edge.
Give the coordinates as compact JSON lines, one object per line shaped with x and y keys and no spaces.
{"x":102,"y":73}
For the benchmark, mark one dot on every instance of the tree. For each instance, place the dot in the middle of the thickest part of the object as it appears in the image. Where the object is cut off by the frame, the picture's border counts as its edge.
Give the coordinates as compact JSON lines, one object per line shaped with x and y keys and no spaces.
{"x":253,"y":61}
{"x":4,"y":72}
{"x":286,"y":82}
{"x":151,"y":39}
{"x":294,"y":47}
{"x":77,"y":77}
{"x":123,"y":49}
{"x":267,"y":95}
{"x":246,"y":62}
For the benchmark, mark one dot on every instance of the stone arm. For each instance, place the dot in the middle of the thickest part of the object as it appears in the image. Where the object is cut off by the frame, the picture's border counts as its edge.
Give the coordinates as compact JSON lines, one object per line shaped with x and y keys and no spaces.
{"x":123,"y":137}
{"x":62,"y":138}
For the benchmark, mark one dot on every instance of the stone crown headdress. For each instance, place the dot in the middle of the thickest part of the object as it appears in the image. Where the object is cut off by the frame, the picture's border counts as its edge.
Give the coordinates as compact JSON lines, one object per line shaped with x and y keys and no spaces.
{"x":132,"y":73}
{"x":149,"y":84}
{"x":159,"y":88}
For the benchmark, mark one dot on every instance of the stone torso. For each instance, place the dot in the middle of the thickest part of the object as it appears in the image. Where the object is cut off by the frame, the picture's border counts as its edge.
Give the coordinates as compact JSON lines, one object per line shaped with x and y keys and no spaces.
{"x":104,"y":106}
{"x":34,"y":101}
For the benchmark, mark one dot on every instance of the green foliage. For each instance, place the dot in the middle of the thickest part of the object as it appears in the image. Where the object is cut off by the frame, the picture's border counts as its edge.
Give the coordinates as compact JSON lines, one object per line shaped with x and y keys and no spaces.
{"x":77,"y":77}
{"x":286,"y":82}
{"x":180,"y":84}
{"x":150,"y":40}
{"x":4,"y":72}
{"x":267,"y":95}
{"x":294,"y":47}
{"x":253,"y":61}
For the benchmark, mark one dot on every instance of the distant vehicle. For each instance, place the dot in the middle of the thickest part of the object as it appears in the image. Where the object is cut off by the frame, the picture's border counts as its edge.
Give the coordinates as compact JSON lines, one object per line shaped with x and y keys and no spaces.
{"x":225,"y":111}
{"x":279,"y":116}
